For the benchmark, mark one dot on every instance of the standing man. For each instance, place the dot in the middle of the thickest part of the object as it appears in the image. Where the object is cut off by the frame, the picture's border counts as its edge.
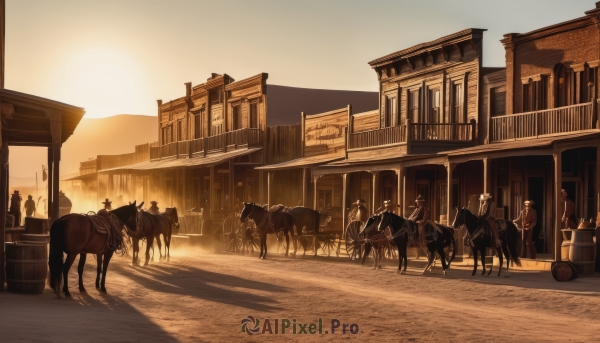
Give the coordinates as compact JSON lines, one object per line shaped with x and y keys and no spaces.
{"x":528,"y":220}
{"x":15,"y":207}
{"x":107,"y":204}
{"x":154,"y":208}
{"x":420,"y":216}
{"x":487,"y":212}
{"x":569,"y":215}
{"x":29,"y":206}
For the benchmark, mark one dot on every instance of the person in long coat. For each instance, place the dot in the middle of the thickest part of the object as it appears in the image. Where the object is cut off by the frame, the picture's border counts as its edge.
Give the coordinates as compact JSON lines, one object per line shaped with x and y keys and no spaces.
{"x":528,"y":220}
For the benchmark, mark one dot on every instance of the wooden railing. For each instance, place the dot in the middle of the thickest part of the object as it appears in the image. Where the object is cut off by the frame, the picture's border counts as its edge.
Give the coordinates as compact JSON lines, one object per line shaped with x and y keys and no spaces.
{"x":385,"y":136}
{"x":202,"y":146}
{"x":443,"y":132}
{"x":542,"y":123}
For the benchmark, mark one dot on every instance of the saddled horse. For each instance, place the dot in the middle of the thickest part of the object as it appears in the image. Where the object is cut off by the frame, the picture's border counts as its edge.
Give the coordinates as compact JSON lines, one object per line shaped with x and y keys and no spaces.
{"x":480,"y":237}
{"x":303,"y":217}
{"x":268,"y":222}
{"x":150,"y":226}
{"x":437,"y":238}
{"x":172,"y":217}
{"x":78,"y":234}
{"x":373,"y":239}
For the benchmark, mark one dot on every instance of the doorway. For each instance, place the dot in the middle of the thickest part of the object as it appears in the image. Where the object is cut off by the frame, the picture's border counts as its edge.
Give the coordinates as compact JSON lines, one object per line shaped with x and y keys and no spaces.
{"x":535,"y":191}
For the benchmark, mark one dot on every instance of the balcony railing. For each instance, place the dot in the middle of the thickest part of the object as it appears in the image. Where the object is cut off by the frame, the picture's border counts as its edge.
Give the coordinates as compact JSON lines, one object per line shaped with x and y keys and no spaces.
{"x":385,"y":136}
{"x":203,"y":146}
{"x":404,"y":134}
{"x":543,"y":123}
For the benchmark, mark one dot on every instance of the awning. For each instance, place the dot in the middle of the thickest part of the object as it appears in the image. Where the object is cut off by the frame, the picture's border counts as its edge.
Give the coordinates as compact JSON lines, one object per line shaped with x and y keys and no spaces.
{"x":207,"y":161}
{"x":81,"y":177}
{"x":303,"y":162}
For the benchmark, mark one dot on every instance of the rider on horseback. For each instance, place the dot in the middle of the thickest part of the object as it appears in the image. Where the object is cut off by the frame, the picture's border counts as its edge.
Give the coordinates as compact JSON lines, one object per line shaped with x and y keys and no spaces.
{"x":420,"y":217}
{"x":487,"y":213}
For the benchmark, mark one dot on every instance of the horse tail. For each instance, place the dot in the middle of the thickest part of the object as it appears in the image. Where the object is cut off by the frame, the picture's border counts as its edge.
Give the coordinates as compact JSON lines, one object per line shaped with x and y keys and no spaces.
{"x":55,"y":259}
{"x":453,"y":241}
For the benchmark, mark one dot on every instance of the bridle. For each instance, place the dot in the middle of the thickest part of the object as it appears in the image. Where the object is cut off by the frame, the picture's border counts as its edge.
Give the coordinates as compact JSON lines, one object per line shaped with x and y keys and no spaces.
{"x":395,"y":234}
{"x":251,"y":216}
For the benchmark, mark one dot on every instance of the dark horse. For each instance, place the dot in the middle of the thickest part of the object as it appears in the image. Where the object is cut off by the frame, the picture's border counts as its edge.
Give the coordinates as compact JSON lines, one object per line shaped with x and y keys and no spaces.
{"x":151,"y":226}
{"x":436,"y":241}
{"x":268,"y":222}
{"x":173,"y":218}
{"x":480,"y":238}
{"x":304,"y":217}
{"x":374,"y":239}
{"x":76,"y":234}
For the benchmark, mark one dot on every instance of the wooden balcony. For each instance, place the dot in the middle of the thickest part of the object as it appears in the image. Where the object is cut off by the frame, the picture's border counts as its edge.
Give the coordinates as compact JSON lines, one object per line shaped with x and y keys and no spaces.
{"x":543,"y":123}
{"x":227,"y":141}
{"x":415,"y":135}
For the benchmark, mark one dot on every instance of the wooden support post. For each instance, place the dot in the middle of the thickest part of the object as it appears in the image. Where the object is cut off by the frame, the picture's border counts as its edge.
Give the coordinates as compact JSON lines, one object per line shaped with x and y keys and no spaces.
{"x":315,"y":203}
{"x":231,"y":187}
{"x":376,"y":194}
{"x":344,"y":202}
{"x":400,"y":191}
{"x":597,"y":185}
{"x":303,"y":124}
{"x":261,"y":187}
{"x":3,"y":205}
{"x":211,"y":199}
{"x":50,"y":178}
{"x":449,"y":212}
{"x":304,"y":186}
{"x":269,"y":180}
{"x":486,"y":175}
{"x":55,"y":181}
{"x":558,"y":204}
{"x":408,"y":136}
{"x":184,"y":180}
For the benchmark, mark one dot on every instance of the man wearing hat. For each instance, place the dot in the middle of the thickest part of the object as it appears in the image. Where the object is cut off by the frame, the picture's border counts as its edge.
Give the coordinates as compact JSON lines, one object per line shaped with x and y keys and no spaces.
{"x":107,"y":204}
{"x":361,"y":211}
{"x":568,"y":217}
{"x":487,"y":212}
{"x":154,"y":208}
{"x":528,"y":219}
{"x":15,"y":207}
{"x":29,"y":206}
{"x":420,"y":216}
{"x":389,"y":206}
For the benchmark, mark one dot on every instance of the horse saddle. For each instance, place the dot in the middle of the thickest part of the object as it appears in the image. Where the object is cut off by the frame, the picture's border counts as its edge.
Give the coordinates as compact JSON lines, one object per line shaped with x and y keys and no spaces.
{"x":276,"y":208}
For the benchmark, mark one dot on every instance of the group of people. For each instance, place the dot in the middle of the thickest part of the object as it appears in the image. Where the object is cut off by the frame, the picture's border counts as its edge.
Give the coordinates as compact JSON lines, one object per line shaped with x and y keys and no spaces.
{"x":527,"y":219}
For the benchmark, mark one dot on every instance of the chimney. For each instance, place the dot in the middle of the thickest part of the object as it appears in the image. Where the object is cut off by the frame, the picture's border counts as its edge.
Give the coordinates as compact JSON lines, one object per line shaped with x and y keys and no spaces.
{"x":188,"y":89}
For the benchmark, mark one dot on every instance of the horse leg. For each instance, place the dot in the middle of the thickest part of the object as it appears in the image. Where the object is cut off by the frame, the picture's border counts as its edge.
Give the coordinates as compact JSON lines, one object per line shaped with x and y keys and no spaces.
{"x":98,"y":269}
{"x":149,"y":243}
{"x":136,"y":249}
{"x":158,"y":242}
{"x":287,"y":243}
{"x":168,"y":247}
{"x":405,"y":254}
{"x":440,"y":250}
{"x":474,"y":251}
{"x":107,"y":257}
{"x":507,"y":255}
{"x":380,"y":256}
{"x":500,"y":258}
{"x":400,"y":257}
{"x":68,"y":263}
{"x":367,"y":251}
{"x":82,"y":258}
{"x":482,"y":253}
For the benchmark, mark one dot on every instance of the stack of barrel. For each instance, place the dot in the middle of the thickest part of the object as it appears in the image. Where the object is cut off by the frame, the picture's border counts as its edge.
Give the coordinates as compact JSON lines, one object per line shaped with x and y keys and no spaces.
{"x":27,"y":261}
{"x":578,"y":255}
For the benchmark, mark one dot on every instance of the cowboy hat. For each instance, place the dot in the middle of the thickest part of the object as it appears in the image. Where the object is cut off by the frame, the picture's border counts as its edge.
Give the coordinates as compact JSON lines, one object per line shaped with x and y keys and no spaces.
{"x":419,"y":198}
{"x":360,"y":202}
{"x":484,"y":196}
{"x":106,"y":202}
{"x":153,"y":202}
{"x":529,"y":202}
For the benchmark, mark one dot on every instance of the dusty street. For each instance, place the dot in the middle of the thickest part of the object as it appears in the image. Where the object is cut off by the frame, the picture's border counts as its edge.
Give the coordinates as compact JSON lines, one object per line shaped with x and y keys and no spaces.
{"x":203,"y":297}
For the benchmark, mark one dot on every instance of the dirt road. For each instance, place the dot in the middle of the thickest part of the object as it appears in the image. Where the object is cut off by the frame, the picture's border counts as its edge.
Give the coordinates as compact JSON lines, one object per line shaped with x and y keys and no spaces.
{"x":200,"y":296}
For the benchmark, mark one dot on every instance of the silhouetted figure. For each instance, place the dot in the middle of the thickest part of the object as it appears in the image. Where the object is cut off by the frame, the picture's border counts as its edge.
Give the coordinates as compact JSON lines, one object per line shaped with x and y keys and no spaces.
{"x":29,"y":206}
{"x":15,"y":207}
{"x":154,"y":208}
{"x":107,"y":204}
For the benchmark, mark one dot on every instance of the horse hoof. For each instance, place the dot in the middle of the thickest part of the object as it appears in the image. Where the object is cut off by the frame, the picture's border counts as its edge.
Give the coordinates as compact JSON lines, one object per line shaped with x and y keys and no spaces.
{"x":403,"y":272}
{"x":445,"y":272}
{"x":67,"y":295}
{"x":82,"y":290}
{"x":103,"y":289}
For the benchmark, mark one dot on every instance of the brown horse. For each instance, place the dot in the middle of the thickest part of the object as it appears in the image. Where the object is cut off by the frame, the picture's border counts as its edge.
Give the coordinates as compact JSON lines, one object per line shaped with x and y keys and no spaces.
{"x":78,"y":234}
{"x":172,"y":218}
{"x":151,"y":226}
{"x":267,"y":222}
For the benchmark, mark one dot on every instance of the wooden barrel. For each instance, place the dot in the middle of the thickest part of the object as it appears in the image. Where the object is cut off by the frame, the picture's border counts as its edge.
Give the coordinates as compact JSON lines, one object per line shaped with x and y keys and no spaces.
{"x":36,"y":225}
{"x":564,"y":271}
{"x":26,"y":267}
{"x":565,"y":249}
{"x":34,"y":238}
{"x":583,"y":251}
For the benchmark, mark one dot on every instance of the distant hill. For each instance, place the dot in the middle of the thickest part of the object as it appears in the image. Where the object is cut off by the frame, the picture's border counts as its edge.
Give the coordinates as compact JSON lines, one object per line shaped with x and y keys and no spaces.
{"x":107,"y":136}
{"x":284,"y":103}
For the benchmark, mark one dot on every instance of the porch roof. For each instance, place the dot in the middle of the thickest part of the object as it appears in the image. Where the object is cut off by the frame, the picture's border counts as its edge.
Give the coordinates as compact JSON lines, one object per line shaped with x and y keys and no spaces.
{"x":207,"y":161}
{"x":303,"y":162}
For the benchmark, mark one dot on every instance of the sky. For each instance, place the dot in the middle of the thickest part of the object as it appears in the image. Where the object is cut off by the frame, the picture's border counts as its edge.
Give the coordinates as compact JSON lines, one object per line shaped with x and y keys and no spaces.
{"x":119,"y":57}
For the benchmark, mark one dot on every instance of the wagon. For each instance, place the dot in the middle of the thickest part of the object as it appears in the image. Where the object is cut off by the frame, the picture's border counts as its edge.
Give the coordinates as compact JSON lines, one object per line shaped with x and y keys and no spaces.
{"x":355,"y":243}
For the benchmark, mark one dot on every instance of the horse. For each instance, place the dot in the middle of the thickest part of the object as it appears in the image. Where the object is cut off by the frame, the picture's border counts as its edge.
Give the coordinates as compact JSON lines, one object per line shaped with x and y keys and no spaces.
{"x":151,"y":226}
{"x":436,"y":242}
{"x":268,"y":222}
{"x":303,"y":217}
{"x":78,"y":234}
{"x":172,"y":217}
{"x":481,"y":237}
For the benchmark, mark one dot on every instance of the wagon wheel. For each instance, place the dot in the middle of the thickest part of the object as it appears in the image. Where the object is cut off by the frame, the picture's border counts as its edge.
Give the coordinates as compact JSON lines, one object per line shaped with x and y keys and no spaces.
{"x":249,"y":236}
{"x":328,"y":246}
{"x":354,"y":240}
{"x":231,"y":234}
{"x":281,"y":243}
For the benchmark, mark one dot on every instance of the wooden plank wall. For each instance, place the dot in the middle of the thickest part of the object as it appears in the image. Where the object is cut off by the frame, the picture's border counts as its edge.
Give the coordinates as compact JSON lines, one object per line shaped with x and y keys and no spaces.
{"x":283,"y":143}
{"x":325,"y":133}
{"x":365,"y":121}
